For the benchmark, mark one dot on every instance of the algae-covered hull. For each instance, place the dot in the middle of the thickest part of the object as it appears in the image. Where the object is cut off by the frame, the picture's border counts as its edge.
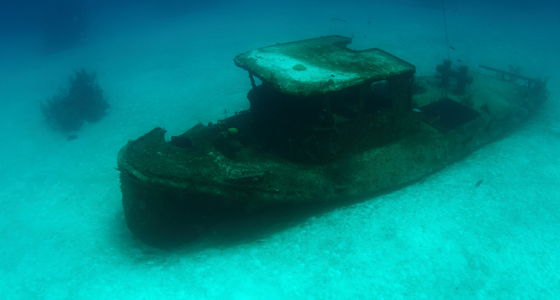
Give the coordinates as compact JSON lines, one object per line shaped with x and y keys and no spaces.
{"x":309,"y":149}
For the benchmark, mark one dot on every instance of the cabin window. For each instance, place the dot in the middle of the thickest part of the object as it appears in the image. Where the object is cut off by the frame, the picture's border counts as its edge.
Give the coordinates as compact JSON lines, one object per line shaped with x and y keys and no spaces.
{"x":379,"y":97}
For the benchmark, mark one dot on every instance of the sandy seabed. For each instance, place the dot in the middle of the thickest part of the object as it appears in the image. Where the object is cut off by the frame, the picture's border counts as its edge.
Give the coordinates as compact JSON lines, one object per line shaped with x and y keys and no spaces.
{"x":62,"y":229}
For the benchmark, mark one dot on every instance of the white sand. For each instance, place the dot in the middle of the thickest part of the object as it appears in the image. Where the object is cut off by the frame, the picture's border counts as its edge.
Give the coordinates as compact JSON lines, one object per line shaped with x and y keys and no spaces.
{"x":61,"y":225}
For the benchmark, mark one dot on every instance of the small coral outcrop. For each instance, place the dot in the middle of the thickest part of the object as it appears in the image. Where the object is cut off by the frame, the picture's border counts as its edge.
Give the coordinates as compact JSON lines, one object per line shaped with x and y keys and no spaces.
{"x":82,"y":101}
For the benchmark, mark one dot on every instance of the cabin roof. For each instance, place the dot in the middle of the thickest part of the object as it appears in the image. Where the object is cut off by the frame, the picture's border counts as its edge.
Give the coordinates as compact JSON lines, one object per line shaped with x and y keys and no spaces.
{"x":320,"y":65}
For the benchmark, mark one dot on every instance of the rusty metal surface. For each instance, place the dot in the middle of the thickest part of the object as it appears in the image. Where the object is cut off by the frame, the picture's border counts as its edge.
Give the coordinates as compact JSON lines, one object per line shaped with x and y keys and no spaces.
{"x":320,"y":65}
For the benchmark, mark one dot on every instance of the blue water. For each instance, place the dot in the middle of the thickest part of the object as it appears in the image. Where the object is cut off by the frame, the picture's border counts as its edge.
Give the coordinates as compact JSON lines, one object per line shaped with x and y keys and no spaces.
{"x":169,"y":64}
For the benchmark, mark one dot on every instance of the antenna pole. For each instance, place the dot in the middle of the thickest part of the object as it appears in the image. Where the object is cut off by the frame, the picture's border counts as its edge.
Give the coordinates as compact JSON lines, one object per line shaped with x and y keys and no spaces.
{"x":446,"y":34}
